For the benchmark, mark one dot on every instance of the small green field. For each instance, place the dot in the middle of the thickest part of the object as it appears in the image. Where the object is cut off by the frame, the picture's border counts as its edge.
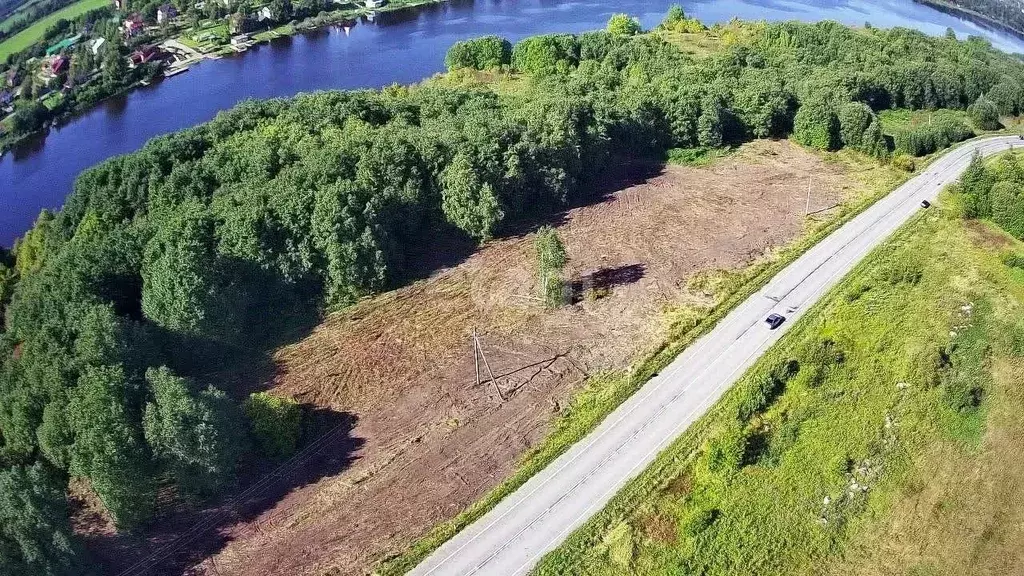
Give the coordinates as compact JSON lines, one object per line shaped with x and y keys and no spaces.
{"x":33,"y":33}
{"x":900,"y":119}
{"x":878,"y":437}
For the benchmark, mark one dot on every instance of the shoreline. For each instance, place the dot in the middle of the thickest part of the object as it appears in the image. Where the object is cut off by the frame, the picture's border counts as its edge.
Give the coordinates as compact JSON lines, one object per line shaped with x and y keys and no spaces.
{"x":262,"y":37}
{"x":971,"y":16}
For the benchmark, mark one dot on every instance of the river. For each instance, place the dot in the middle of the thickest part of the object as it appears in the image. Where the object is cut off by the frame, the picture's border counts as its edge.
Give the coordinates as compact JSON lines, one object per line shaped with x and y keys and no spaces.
{"x":401,"y":47}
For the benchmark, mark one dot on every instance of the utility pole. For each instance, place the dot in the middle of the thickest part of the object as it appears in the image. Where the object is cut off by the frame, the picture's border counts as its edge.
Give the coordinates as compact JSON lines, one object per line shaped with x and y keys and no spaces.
{"x":807,"y":207}
{"x":479,"y":350}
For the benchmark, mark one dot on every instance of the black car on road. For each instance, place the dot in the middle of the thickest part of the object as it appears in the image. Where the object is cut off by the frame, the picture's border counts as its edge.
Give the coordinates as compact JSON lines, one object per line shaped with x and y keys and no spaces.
{"x":774,"y":320}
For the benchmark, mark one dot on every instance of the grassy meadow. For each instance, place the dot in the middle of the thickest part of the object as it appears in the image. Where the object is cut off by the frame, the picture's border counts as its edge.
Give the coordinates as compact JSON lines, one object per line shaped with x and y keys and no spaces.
{"x":873,"y":439}
{"x":33,"y":33}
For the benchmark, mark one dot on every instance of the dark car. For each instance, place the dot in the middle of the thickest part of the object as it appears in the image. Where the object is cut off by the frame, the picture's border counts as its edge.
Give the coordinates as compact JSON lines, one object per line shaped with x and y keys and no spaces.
{"x":774,"y":320}
{"x":925,"y":204}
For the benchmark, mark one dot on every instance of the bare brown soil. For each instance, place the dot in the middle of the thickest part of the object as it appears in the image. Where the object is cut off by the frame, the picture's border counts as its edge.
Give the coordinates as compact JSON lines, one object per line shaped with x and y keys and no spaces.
{"x":426,"y":439}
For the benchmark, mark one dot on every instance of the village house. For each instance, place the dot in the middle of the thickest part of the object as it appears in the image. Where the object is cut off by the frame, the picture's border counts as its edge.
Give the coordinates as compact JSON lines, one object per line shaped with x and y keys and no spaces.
{"x":143,"y":55}
{"x":119,"y":5}
{"x":166,"y":13}
{"x":96,"y":44}
{"x":132,"y":26}
{"x":264,"y":13}
{"x":59,"y":64}
{"x":373,"y":4}
{"x":13,"y":78}
{"x":6,"y":98}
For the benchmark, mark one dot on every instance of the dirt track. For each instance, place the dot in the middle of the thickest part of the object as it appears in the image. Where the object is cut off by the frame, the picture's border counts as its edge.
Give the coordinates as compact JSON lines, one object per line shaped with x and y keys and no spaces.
{"x":426,"y":440}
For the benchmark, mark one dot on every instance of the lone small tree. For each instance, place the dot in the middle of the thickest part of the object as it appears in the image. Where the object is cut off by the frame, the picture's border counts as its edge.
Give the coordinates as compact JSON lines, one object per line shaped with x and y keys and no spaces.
{"x":551,"y":260}
{"x":623,"y":25}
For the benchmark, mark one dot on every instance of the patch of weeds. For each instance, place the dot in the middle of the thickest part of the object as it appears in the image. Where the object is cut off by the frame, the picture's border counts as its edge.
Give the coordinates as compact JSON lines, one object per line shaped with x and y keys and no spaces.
{"x":618,"y":544}
{"x":660,"y":528}
{"x":858,"y":289}
{"x":903,"y":268}
{"x":1014,"y":260}
{"x":696,"y":157}
{"x":700,"y":520}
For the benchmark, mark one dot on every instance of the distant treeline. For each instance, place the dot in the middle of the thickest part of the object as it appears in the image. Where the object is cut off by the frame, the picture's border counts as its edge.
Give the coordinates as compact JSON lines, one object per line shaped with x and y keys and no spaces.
{"x":166,"y":262}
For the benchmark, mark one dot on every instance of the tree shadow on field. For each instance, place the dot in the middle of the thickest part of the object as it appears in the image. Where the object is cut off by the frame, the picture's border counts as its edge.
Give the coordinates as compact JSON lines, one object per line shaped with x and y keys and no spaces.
{"x":182,"y":536}
{"x":605,"y":279}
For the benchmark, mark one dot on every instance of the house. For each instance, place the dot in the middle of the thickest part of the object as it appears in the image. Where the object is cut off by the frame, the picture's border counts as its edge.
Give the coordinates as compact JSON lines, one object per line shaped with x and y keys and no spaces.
{"x":373,"y":4}
{"x":118,"y":4}
{"x":165,"y":13}
{"x":240,"y":40}
{"x":59,"y":64}
{"x":133,"y":25}
{"x":265,"y":13}
{"x":63,"y":45}
{"x":6,"y":98}
{"x":96,"y":44}
{"x":13,"y":78}
{"x":143,"y":55}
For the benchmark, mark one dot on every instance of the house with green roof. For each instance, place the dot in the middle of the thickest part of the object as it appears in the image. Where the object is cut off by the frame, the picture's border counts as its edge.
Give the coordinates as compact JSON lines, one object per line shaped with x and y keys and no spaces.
{"x":63,"y":45}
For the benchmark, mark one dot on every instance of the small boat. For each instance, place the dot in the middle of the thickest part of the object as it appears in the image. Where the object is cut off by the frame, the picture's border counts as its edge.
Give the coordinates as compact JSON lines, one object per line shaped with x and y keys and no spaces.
{"x":144,"y":82}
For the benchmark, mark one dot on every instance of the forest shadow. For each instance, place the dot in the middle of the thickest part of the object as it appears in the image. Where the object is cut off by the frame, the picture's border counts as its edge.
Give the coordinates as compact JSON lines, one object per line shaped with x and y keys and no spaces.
{"x":628,"y":172}
{"x":183,"y":535}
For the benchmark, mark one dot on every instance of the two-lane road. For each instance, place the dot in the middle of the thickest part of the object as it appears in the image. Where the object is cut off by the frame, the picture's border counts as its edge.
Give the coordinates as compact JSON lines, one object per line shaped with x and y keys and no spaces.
{"x":510,"y":539}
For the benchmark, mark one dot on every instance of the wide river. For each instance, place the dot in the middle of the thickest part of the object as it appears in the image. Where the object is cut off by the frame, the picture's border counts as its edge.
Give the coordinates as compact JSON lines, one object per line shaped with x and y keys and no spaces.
{"x":401,"y":47}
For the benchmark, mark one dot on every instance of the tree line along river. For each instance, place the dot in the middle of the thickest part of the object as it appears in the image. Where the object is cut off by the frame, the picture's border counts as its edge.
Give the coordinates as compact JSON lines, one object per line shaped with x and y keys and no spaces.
{"x":404,"y":47}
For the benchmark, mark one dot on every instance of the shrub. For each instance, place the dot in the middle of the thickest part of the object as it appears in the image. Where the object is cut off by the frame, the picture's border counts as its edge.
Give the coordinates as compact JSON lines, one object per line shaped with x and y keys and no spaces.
{"x":543,"y":54}
{"x":482,"y":53}
{"x":1008,"y":207}
{"x":984,"y":114}
{"x":928,"y":138}
{"x":854,"y":120}
{"x":551,"y":260}
{"x":274,"y":422}
{"x":623,"y":25}
{"x":816,"y":125}
{"x":903,"y":162}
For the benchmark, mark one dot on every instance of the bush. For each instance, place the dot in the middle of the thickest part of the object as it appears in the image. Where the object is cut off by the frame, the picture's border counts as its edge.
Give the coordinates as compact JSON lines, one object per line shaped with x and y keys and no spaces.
{"x":931,"y":137}
{"x":903,"y":162}
{"x":984,"y":114}
{"x":482,"y":53}
{"x":854,"y":120}
{"x":274,"y":422}
{"x":544,"y":54}
{"x":816,"y":125}
{"x":1008,"y":207}
{"x":623,"y":25}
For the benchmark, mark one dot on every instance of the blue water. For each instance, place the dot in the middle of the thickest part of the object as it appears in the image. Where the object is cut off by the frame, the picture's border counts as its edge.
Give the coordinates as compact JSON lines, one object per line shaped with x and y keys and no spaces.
{"x":398,"y":47}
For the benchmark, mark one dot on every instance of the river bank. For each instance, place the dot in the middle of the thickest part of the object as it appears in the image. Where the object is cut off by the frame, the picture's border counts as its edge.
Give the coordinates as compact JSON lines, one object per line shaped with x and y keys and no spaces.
{"x":180,"y":38}
{"x":402,"y":46}
{"x":972,"y":15}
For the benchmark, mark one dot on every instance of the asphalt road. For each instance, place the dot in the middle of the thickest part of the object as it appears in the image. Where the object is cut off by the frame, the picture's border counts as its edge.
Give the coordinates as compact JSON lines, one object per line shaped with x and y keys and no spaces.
{"x":510,"y":539}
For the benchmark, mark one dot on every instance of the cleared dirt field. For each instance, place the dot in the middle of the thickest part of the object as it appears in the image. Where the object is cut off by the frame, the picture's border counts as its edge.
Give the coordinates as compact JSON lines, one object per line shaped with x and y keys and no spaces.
{"x":422,"y":439}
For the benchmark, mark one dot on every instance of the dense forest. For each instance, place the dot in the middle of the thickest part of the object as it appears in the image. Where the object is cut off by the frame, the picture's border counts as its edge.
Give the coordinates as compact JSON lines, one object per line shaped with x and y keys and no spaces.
{"x":166,"y":264}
